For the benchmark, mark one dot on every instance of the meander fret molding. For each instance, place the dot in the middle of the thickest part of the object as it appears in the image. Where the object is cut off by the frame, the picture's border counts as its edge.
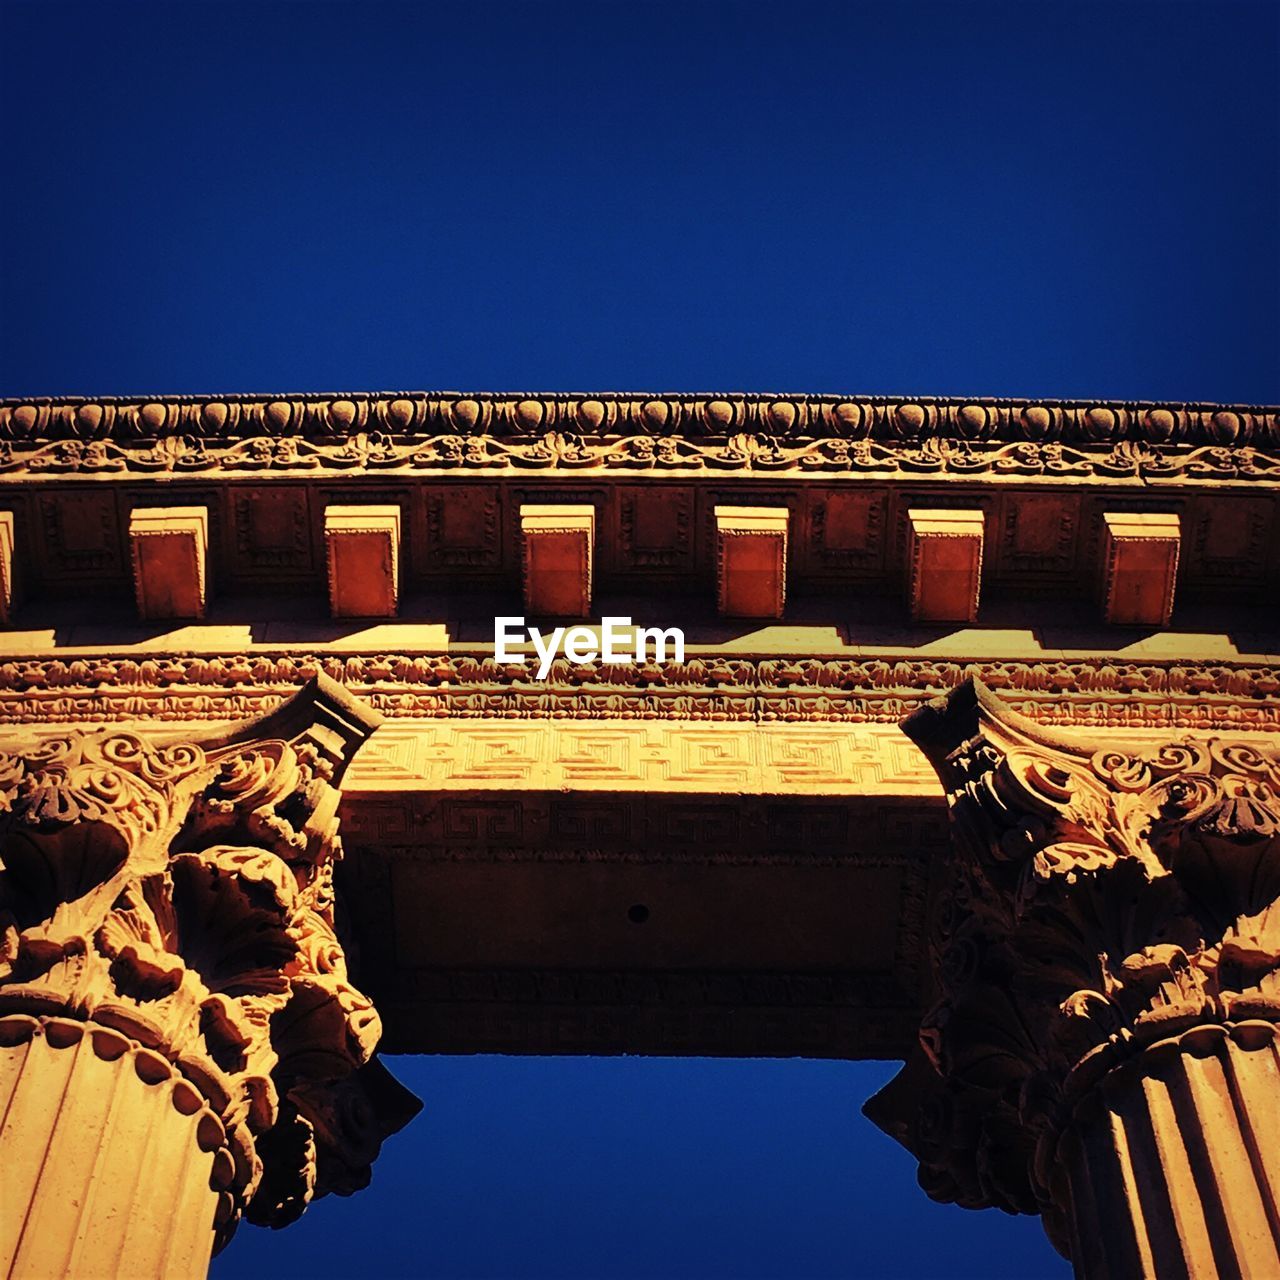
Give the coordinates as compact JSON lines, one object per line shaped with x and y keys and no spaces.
{"x":180,"y":1045}
{"x":1104,"y":1047}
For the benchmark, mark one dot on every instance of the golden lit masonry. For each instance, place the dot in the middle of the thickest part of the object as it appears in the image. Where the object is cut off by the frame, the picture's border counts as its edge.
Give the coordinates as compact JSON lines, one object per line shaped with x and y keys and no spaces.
{"x":956,"y":740}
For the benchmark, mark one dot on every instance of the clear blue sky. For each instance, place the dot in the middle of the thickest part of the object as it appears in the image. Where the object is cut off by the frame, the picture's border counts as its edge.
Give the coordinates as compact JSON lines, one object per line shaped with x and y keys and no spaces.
{"x":1029,"y":199}
{"x":1018,"y":199}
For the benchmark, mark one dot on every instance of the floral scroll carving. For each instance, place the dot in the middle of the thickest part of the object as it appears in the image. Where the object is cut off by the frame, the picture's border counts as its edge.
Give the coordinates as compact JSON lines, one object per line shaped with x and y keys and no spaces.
{"x":181,"y":893}
{"x":1098,"y":906}
{"x":418,"y":433}
{"x":1101,"y":692}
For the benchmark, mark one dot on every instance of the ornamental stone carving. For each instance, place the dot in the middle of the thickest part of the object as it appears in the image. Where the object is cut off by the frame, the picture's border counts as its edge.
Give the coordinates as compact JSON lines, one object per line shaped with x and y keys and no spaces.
{"x":1106,"y":948}
{"x":175,"y":899}
{"x":422,"y":433}
{"x":1113,"y":693}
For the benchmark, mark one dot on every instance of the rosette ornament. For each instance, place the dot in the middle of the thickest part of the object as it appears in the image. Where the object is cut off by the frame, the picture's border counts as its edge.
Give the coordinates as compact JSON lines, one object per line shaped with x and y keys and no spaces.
{"x":180,"y":895}
{"x":1103,"y":1045}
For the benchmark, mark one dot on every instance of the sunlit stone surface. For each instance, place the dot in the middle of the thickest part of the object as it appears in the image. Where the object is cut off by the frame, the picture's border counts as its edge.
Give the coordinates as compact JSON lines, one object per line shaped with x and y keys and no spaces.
{"x":223,"y":886}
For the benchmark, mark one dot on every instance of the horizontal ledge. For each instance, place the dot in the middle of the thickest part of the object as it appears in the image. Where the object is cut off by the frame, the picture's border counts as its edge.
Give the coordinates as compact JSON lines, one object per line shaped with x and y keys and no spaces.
{"x":770,"y":416}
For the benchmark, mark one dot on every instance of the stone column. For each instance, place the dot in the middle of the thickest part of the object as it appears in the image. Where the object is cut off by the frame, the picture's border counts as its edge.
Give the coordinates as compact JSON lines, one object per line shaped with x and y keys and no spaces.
{"x":1103,"y":1048}
{"x":179,"y":1043}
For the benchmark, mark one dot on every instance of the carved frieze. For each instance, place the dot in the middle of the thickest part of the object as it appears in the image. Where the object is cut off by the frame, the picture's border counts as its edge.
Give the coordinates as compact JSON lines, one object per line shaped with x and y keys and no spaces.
{"x":663,"y":756}
{"x":423,"y":433}
{"x":329,"y":416}
{"x":464,"y":527}
{"x":655,"y":527}
{"x":1102,"y":692}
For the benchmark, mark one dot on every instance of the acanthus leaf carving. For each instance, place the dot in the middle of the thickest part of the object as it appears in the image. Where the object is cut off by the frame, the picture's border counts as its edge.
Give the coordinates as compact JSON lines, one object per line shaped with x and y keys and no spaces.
{"x":638,"y":453}
{"x":1100,"y":904}
{"x":182,"y":894}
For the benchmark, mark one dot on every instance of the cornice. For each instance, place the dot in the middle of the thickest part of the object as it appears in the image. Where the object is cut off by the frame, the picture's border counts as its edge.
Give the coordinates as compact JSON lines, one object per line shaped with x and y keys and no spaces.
{"x":446,"y":432}
{"x":1098,"y":692}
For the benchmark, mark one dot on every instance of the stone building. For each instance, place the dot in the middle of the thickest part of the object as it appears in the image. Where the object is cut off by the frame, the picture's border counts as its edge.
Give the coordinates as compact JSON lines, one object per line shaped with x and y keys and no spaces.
{"x":970,"y":759}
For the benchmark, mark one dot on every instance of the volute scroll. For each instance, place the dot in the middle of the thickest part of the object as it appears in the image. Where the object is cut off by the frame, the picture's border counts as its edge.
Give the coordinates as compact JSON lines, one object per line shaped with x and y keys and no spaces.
{"x":1108,"y":913}
{"x":179,"y":893}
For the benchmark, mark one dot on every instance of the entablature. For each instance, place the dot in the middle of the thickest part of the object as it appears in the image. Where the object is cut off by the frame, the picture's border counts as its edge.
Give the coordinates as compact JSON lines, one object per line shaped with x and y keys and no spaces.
{"x":761,"y":777}
{"x":380,"y":504}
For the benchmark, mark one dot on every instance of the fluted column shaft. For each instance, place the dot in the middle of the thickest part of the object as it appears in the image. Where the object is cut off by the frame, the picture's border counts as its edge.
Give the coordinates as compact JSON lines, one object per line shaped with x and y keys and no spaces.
{"x":1173,"y":1161}
{"x":108,"y":1157}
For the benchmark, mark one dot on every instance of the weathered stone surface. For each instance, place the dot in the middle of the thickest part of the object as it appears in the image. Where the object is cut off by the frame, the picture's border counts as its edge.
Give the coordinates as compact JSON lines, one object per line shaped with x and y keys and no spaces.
{"x":751,"y":561}
{"x":659,"y":817}
{"x":558,"y":549}
{"x":179,"y":893}
{"x":362,"y":552}
{"x":169,"y":549}
{"x":1107,"y":954}
{"x":944,"y":561}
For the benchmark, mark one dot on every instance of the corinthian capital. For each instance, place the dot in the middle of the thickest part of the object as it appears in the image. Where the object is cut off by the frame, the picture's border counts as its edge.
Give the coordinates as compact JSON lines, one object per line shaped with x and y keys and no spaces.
{"x":181,"y":894}
{"x":1103,"y":909}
